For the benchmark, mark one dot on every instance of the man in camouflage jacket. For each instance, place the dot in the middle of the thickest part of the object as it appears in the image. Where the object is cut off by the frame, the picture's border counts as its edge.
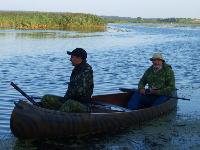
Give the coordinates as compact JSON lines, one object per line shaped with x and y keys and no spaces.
{"x":80,"y":87}
{"x":161,"y":83}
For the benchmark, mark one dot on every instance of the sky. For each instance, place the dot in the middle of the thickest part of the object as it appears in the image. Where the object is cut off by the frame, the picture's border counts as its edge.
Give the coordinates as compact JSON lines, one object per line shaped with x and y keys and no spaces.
{"x":122,"y":8}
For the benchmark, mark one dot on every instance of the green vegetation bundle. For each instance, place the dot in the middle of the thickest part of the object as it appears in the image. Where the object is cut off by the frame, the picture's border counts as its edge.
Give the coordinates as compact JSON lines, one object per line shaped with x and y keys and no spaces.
{"x":49,"y":20}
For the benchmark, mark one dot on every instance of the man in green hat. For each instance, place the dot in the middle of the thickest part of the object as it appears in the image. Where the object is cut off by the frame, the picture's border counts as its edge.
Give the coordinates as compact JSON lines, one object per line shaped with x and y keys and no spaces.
{"x":80,"y":87}
{"x":161,"y":83}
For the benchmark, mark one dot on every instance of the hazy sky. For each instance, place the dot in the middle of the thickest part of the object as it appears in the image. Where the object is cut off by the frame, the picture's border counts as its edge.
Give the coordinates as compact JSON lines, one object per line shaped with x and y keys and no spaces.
{"x":125,"y":8}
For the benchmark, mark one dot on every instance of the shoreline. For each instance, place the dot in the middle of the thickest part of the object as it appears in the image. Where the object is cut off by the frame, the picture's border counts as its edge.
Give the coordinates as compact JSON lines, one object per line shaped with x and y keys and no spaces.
{"x":33,"y":20}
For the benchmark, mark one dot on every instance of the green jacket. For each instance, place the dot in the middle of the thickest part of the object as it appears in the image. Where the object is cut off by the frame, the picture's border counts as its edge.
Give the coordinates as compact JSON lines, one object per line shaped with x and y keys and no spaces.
{"x":81,"y":84}
{"x":164,"y":79}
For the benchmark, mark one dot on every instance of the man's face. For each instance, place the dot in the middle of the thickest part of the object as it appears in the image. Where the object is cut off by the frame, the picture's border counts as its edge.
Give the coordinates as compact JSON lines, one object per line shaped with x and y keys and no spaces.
{"x":157,"y":63}
{"x":75,"y":60}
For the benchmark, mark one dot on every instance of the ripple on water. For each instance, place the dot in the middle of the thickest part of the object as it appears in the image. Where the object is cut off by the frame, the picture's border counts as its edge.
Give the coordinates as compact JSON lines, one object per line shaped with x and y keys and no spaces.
{"x":39,"y":65}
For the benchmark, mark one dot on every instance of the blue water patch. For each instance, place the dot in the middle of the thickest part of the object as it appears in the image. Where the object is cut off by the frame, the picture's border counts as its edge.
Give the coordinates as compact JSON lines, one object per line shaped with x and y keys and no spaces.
{"x":38,"y":63}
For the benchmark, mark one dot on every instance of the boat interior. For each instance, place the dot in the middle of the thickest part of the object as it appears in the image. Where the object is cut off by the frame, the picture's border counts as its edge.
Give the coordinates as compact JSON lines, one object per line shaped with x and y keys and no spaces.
{"x":111,"y":102}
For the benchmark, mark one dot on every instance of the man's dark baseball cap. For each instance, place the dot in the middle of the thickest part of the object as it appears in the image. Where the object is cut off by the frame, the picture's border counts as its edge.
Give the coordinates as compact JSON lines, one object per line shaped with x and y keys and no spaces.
{"x":79,"y":52}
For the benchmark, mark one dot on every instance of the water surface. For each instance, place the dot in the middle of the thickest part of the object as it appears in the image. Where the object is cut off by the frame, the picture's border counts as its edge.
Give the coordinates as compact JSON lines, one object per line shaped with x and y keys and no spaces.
{"x":38,"y":63}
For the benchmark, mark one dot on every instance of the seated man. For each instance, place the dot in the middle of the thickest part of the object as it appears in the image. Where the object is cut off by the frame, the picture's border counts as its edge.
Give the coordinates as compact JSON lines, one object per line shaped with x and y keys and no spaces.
{"x":80,"y":87}
{"x":161,"y":83}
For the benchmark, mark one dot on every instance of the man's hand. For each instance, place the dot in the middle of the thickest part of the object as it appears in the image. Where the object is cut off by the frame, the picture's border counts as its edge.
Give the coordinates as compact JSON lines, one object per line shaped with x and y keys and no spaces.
{"x":142,"y":91}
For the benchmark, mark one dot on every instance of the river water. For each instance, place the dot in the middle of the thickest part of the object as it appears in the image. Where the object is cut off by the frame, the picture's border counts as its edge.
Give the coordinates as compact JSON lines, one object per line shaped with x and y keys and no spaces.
{"x":36,"y":60}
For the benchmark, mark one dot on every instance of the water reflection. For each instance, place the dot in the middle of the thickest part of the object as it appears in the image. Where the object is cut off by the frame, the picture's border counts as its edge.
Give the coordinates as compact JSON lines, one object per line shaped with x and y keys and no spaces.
{"x":48,"y":35}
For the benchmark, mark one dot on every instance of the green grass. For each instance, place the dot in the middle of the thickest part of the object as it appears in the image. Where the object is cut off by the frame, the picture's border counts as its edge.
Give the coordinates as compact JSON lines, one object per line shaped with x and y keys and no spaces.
{"x":49,"y":20}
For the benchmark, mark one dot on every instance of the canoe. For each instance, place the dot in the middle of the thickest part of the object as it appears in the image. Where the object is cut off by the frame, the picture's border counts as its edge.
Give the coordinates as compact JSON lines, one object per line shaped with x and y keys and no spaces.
{"x":32,"y":122}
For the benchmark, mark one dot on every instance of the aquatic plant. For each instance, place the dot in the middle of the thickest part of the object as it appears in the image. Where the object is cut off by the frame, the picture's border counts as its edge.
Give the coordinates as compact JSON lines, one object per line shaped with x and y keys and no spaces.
{"x":50,"y":20}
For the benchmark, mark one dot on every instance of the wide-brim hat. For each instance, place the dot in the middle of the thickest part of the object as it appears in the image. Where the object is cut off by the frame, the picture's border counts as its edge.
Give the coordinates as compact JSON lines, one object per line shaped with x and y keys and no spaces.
{"x":157,"y":56}
{"x":79,"y":52}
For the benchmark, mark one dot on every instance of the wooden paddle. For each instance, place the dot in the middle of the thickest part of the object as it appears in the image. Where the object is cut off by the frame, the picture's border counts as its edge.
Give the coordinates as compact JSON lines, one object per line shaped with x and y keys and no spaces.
{"x":134,"y":90}
{"x":24,"y":94}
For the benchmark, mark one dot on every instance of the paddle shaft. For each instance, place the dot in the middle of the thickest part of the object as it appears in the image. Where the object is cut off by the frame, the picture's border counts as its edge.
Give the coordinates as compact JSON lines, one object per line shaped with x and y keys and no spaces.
{"x":24,"y":94}
{"x":133,"y":90}
{"x":181,"y":98}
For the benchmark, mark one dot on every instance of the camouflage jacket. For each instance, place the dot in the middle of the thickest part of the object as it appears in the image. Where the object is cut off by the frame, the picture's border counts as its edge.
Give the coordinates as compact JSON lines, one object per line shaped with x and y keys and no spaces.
{"x":164,"y":79}
{"x":81,"y":84}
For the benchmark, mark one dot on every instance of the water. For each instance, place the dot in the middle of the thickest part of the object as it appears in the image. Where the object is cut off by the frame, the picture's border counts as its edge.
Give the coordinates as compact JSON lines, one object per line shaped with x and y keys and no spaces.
{"x":38,"y":63}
